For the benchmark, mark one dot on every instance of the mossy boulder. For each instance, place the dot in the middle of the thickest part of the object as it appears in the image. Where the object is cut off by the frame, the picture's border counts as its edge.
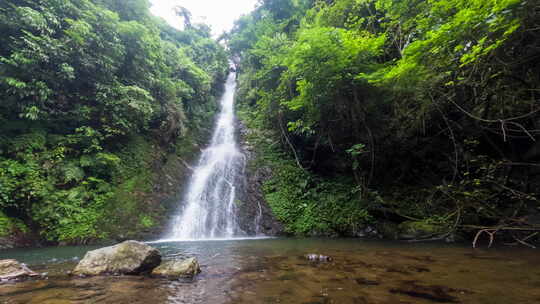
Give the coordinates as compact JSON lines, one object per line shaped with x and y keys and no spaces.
{"x":418,"y":230}
{"x":187,"y":268}
{"x":129,"y":257}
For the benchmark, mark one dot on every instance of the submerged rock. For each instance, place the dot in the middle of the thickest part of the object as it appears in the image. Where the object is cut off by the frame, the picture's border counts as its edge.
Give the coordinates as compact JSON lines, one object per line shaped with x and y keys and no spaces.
{"x":187,"y":268}
{"x":130,"y":257}
{"x":13,"y":270}
{"x":317,"y":257}
{"x":433,"y":293}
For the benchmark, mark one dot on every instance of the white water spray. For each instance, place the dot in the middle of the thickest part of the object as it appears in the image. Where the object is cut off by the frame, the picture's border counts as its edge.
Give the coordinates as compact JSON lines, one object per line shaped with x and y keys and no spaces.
{"x":209,"y":208}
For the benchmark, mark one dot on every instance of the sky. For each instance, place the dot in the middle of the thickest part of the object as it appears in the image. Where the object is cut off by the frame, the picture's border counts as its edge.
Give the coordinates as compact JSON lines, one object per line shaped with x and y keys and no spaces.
{"x":219,"y":14}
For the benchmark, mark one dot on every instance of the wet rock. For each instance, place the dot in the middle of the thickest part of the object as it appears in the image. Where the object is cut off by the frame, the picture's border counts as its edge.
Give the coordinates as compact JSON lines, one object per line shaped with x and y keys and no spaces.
{"x":13,"y":270}
{"x":130,"y":257}
{"x":388,"y":230}
{"x":486,"y":257}
{"x":421,"y":258}
{"x":419,"y":269}
{"x":366,"y":232}
{"x":187,"y":268}
{"x":317,"y":257}
{"x":364,"y":281}
{"x":255,"y":216}
{"x":435,"y":293}
{"x":360,"y":300}
{"x":397,"y":270}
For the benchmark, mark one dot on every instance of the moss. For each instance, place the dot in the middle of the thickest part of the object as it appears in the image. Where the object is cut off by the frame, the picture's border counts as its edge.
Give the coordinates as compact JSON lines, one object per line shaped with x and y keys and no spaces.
{"x":238,"y":202}
{"x":305,"y":203}
{"x":5,"y":226}
{"x":419,"y":229}
{"x":146,"y":221}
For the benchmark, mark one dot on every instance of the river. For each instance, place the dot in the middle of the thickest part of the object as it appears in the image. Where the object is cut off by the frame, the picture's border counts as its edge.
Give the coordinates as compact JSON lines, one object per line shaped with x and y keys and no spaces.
{"x":274,"y":271}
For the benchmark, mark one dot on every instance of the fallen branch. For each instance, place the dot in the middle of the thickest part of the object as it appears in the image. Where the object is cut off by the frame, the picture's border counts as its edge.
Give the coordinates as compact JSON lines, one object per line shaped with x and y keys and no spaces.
{"x":522,"y":241}
{"x":490,"y":232}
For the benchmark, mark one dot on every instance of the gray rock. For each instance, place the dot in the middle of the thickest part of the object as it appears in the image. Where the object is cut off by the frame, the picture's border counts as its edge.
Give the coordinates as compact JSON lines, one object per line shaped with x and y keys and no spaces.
{"x":187,"y":268}
{"x":129,"y":257}
{"x":12,"y":270}
{"x":366,"y":232}
{"x":314,"y":257}
{"x":255,"y":216}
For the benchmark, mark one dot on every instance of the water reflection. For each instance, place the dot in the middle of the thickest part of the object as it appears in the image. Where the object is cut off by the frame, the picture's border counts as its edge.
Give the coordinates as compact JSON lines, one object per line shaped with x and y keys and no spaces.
{"x":274,"y":271}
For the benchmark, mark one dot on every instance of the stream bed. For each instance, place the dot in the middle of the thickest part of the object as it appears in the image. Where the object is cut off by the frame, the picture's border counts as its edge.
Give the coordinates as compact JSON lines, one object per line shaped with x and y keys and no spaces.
{"x":275,"y":271}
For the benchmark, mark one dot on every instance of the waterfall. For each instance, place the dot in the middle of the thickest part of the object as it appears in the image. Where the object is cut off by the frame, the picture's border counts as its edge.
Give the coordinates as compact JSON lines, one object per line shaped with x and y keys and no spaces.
{"x":209,"y":206}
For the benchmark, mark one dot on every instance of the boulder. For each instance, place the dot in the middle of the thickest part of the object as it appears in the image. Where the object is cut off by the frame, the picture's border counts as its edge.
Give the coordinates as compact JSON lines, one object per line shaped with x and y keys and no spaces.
{"x":12,"y":270}
{"x":129,"y":257}
{"x":187,"y":268}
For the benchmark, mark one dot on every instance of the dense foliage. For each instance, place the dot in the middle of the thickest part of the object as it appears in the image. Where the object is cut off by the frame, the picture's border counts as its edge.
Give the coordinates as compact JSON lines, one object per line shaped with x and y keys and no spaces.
{"x":88,"y":90}
{"x":431,"y":107}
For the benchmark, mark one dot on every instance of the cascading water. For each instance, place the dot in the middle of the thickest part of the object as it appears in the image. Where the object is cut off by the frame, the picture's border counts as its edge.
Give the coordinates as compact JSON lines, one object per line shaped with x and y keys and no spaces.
{"x":209,"y":206}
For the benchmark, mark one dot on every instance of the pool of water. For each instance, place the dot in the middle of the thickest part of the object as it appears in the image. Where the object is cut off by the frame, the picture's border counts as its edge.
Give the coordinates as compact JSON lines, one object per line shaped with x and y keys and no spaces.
{"x":275,"y":271}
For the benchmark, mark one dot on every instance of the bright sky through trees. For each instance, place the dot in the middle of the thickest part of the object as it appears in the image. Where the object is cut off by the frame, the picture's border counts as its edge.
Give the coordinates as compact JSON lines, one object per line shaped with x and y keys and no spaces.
{"x":219,"y":14}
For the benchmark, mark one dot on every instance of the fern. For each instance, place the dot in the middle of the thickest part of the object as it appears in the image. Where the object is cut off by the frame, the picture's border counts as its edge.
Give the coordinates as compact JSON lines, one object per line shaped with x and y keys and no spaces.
{"x":72,"y":173}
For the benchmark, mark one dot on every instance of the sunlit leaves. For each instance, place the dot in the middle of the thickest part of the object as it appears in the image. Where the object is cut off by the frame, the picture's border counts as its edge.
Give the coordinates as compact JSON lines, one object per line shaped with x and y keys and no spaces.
{"x":78,"y":30}
{"x":409,"y":78}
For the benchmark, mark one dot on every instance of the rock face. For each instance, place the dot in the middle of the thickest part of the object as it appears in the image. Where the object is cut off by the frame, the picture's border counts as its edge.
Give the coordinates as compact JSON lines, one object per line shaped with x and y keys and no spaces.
{"x":130,"y":257}
{"x":187,"y":268}
{"x":12,"y":270}
{"x":254,"y":215}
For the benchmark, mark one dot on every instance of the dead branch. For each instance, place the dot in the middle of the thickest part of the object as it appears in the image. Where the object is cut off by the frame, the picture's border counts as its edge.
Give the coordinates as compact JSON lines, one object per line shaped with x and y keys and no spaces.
{"x":522,"y":241}
{"x":490,"y":232}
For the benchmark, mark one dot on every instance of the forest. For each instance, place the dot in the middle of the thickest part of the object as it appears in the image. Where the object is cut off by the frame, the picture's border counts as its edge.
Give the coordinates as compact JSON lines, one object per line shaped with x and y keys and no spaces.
{"x":420,"y":119}
{"x":270,"y":151}
{"x":89,"y":91}
{"x":405,"y":119}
